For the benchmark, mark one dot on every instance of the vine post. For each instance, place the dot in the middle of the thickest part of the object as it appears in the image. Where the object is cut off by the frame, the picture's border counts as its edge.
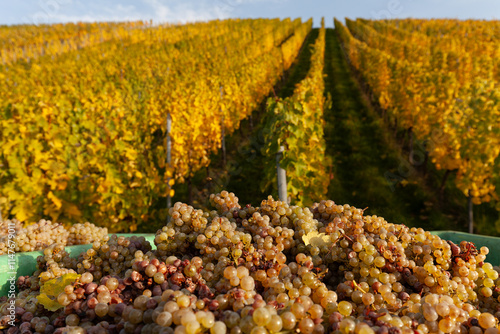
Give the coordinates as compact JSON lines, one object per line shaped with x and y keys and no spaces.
{"x":223,"y":140}
{"x":168,"y":141}
{"x":410,"y":156}
{"x":471,"y":213}
{"x":281,"y":176}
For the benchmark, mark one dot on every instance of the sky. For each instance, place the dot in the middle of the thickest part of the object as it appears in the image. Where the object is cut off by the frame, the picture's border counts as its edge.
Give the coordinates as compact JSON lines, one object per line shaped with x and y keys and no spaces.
{"x":174,"y":11}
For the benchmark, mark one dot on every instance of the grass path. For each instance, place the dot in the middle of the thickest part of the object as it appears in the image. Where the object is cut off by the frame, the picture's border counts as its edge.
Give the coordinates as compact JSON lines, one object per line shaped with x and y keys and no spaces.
{"x":368,"y":169}
{"x":243,"y":174}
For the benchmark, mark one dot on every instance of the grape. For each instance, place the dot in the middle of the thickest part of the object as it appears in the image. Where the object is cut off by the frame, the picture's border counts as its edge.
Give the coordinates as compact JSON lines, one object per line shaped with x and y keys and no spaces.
{"x":183,"y":301}
{"x":275,"y":324}
{"x":306,"y":326}
{"x":164,"y":319}
{"x":345,"y":308}
{"x":104,"y":297}
{"x":446,"y":325}
{"x":242,"y":271}
{"x":289,"y":320}
{"x":101,"y":309}
{"x":492,"y":330}
{"x":247,"y":283}
{"x":443,"y":309}
{"x":187,"y":317}
{"x":86,"y":278}
{"x":487,"y":320}
{"x":261,"y":316}
{"x":72,"y":320}
{"x":230,"y":272}
{"x":365,"y":330}
{"x":151,"y":270}
{"x":135,"y":316}
{"x":347,"y":325}
{"x":218,"y":328}
{"x":140,"y":302}
{"x":192,"y":327}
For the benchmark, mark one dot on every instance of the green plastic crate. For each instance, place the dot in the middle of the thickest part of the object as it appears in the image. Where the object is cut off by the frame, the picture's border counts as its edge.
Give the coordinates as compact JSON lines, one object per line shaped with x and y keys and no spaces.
{"x":26,"y":262}
{"x":493,"y":243}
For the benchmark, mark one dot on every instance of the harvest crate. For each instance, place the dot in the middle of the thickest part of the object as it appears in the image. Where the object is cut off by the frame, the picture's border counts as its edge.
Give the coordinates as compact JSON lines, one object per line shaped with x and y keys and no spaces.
{"x":26,"y":262}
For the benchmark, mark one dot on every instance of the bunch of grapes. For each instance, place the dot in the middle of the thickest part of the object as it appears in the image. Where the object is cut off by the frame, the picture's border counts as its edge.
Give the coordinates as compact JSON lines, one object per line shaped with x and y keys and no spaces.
{"x":5,"y":225}
{"x":54,"y":263}
{"x":40,"y":235}
{"x":37,"y":236}
{"x":269,"y":269}
{"x":82,"y":234}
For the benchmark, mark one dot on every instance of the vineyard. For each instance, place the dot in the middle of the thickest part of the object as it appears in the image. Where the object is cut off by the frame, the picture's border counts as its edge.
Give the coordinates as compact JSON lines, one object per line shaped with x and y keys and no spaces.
{"x":92,"y":130}
{"x":438,"y":81}
{"x":121,"y":116}
{"x":152,"y":129}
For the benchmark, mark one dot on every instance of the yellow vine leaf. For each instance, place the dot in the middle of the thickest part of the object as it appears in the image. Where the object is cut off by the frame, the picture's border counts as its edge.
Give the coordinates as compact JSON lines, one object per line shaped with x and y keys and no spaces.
{"x":54,"y":199}
{"x":72,"y":210}
{"x":52,"y":288}
{"x":316,"y":239}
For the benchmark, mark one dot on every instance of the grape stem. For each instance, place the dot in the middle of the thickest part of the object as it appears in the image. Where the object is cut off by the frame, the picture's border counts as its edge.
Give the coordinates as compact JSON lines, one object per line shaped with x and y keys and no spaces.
{"x":347,"y":237}
{"x":358,"y":287}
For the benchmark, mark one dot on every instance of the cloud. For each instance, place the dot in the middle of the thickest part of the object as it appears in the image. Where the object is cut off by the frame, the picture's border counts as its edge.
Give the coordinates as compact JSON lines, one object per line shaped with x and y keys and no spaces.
{"x":189,"y":11}
{"x":160,"y":11}
{"x":159,"y":8}
{"x":50,"y":11}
